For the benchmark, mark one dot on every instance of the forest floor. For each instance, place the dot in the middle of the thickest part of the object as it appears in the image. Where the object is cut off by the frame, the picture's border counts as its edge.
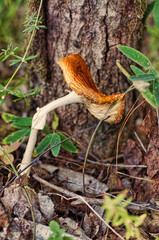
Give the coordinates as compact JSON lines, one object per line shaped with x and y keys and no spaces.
{"x":56,"y":190}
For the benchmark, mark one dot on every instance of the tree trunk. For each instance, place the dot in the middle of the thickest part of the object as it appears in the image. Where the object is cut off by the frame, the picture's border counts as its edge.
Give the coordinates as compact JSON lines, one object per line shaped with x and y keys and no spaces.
{"x":93,"y":29}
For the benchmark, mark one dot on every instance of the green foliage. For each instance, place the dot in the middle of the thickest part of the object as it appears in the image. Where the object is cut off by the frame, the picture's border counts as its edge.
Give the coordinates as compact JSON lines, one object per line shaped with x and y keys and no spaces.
{"x":68,"y":145}
{"x":156,"y":12}
{"x":20,"y":59}
{"x":31,"y":23}
{"x":156,"y":90}
{"x":10,"y":26}
{"x":17,"y":122}
{"x":154,"y":5}
{"x":143,"y":77}
{"x":149,"y":9}
{"x":16,"y":92}
{"x":6,"y":53}
{"x":57,"y":232}
{"x":136,"y":70}
{"x":118,"y":215}
{"x":135,"y":56}
{"x":50,"y":139}
{"x":24,"y":123}
{"x":55,"y":122}
{"x":153,"y":30}
{"x":16,"y":136}
{"x":153,"y":45}
{"x":20,"y":95}
{"x":145,"y":80}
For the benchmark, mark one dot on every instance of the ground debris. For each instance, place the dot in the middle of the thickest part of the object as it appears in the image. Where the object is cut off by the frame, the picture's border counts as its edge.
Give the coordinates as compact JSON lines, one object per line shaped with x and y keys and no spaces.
{"x":74,"y":180}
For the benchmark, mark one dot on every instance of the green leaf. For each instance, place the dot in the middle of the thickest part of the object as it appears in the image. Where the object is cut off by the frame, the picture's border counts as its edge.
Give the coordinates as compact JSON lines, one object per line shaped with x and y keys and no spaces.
{"x":16,"y":136}
{"x":140,"y":219}
{"x":135,"y":56}
{"x":50,"y":139}
{"x":153,"y":71}
{"x":156,"y":90}
{"x":149,"y":9}
{"x":46,"y":130}
{"x":54,"y":226}
{"x":17,"y":122}
{"x":22,"y":122}
{"x":14,"y":61}
{"x":149,"y":97}
{"x":7,"y":117}
{"x":137,"y":70}
{"x":6,"y":53}
{"x":68,"y":145}
{"x":144,"y":77}
{"x":1,"y":87}
{"x":156,"y":12}
{"x":55,"y":122}
{"x":51,"y":237}
{"x":55,"y":139}
{"x":42,"y":145}
{"x":31,"y":57}
{"x":67,"y":238}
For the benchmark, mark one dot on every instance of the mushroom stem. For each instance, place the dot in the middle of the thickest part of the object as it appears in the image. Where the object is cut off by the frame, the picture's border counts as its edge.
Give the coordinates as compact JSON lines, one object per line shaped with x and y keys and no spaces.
{"x":38,"y":123}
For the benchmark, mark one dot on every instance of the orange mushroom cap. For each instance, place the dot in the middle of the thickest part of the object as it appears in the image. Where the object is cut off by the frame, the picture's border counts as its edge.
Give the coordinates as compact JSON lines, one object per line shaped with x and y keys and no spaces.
{"x":79,"y":79}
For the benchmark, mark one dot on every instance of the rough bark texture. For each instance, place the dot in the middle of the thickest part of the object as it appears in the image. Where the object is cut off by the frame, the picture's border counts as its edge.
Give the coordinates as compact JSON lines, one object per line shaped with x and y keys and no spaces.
{"x":93,"y":29}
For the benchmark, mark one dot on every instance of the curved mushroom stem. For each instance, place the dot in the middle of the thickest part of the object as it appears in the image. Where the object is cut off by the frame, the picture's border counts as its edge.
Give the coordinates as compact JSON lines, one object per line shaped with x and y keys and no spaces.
{"x":38,"y":123}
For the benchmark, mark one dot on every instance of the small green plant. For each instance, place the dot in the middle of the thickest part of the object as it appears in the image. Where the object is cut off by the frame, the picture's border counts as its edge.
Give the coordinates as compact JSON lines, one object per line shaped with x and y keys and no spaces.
{"x":145,"y":80}
{"x":57,"y":232}
{"x":118,"y":215}
{"x":17,"y":93}
{"x":24,"y":123}
{"x":32,"y":23}
{"x":11,"y":52}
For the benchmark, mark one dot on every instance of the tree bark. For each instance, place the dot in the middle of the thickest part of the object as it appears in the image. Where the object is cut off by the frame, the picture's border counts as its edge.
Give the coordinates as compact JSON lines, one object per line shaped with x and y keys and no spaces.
{"x":93,"y":29}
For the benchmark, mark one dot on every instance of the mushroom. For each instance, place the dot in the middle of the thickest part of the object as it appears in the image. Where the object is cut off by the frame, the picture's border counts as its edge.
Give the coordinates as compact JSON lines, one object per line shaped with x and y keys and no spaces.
{"x":79,"y":79}
{"x":84,"y":91}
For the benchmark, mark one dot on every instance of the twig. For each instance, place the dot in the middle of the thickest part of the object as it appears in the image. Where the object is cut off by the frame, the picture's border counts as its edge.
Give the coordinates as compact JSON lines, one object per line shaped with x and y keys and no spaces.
{"x":91,"y":201}
{"x":119,"y":165}
{"x":140,"y":142}
{"x":139,"y":178}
